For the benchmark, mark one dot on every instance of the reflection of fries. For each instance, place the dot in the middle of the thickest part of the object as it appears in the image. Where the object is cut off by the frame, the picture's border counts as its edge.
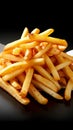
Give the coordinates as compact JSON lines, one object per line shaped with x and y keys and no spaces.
{"x":36,"y":63}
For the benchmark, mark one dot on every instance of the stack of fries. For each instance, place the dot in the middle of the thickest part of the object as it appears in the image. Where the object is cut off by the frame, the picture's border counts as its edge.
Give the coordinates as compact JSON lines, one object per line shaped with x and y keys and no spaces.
{"x":36,"y":63}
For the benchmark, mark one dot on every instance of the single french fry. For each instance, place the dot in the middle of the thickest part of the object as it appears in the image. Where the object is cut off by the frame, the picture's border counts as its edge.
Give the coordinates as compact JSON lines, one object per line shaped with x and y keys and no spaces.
{"x":51,"y":67}
{"x":46,"y":89}
{"x":37,"y":95}
{"x":62,"y":65}
{"x":47,"y":32}
{"x":16,"y":43}
{"x":13,"y":67}
{"x":26,"y":83}
{"x":35,"y":31}
{"x":12,"y":75}
{"x":13,"y":92}
{"x":25,"y":32}
{"x":12,"y":57}
{"x":68,"y":90}
{"x":53,"y":40}
{"x":36,"y":61}
{"x":29,"y":45}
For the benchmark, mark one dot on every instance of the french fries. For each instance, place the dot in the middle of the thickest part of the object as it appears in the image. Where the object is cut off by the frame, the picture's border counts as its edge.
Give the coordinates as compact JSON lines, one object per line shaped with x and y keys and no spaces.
{"x":36,"y":63}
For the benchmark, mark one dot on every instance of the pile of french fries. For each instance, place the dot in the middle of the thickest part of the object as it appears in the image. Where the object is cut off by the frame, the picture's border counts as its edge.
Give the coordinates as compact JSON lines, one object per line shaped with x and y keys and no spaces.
{"x":36,"y":63}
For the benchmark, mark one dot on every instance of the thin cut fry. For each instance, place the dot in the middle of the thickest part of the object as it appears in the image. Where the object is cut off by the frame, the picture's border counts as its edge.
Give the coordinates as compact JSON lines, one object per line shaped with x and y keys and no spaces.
{"x":12,"y":75}
{"x":62,"y":65}
{"x":35,"y":31}
{"x":47,"y":32}
{"x":17,"y":43}
{"x":25,"y":32}
{"x":40,"y":53}
{"x":29,"y":45}
{"x":52,"y":68}
{"x":49,"y":39}
{"x":11,"y":57}
{"x":68,"y":90}
{"x":26,"y":83}
{"x":13,"y":67}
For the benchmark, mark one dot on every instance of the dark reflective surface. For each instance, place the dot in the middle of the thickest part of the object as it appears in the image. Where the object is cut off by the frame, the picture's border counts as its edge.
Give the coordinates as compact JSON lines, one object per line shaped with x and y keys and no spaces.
{"x":55,"y":110}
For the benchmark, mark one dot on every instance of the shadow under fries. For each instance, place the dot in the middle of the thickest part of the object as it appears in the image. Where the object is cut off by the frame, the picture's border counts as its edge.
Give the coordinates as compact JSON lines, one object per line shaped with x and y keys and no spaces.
{"x":55,"y":114}
{"x":54,"y":111}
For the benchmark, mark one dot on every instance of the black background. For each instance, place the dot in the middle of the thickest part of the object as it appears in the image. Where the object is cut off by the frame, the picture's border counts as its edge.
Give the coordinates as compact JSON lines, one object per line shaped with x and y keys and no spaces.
{"x":14,"y":16}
